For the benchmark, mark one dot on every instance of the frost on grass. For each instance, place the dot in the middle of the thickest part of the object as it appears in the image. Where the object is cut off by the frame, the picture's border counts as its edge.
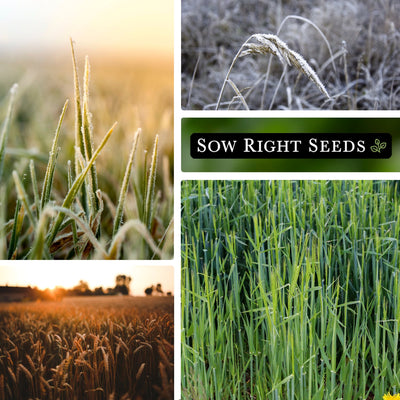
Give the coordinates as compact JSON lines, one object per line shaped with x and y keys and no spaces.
{"x":271,"y":44}
{"x":365,"y":77}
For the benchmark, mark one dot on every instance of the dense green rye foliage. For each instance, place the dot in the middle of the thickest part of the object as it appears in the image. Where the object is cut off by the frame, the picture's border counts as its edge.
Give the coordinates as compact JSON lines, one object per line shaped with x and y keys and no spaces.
{"x":78,"y":208}
{"x":290,"y":289}
{"x":96,"y":348}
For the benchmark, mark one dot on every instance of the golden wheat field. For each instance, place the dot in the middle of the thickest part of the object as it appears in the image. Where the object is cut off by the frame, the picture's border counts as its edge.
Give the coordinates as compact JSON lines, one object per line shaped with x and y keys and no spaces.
{"x":92,"y":348}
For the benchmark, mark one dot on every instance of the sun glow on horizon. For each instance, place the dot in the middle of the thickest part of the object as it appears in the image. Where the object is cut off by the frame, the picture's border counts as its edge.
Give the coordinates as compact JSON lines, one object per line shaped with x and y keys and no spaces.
{"x":49,"y":275}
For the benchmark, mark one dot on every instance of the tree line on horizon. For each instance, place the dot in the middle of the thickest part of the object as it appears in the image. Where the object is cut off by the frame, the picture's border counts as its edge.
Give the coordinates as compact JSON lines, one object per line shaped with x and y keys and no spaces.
{"x":122,"y":287}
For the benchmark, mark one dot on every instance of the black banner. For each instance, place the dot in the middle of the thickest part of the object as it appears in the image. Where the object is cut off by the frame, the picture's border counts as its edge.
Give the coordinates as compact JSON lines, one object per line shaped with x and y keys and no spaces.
{"x":290,"y":145}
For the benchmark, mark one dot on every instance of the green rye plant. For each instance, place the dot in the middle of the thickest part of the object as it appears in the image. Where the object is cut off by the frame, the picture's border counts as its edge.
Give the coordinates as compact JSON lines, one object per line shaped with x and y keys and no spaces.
{"x":48,"y":224}
{"x":290,"y":290}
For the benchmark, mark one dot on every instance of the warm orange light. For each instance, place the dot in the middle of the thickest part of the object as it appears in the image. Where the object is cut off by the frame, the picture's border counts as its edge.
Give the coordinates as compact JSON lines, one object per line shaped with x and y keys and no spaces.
{"x":53,"y":274}
{"x":129,"y":26}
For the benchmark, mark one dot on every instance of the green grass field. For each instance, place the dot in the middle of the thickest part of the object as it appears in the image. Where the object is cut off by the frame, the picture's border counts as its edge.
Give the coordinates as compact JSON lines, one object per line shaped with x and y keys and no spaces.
{"x":290,"y":289}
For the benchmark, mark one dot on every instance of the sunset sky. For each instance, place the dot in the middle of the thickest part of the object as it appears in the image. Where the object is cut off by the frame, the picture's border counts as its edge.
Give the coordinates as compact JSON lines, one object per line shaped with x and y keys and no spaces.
{"x":132,"y":27}
{"x":49,"y":274}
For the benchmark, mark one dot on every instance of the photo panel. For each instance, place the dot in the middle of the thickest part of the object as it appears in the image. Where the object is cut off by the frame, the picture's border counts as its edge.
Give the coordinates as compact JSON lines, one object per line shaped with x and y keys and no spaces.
{"x":86,"y":331}
{"x":86,"y":139}
{"x":290,"y":289}
{"x":290,"y":55}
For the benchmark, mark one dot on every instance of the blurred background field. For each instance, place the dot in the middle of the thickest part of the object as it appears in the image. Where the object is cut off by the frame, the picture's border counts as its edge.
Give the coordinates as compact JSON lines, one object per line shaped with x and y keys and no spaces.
{"x":130,"y":49}
{"x":136,"y":93}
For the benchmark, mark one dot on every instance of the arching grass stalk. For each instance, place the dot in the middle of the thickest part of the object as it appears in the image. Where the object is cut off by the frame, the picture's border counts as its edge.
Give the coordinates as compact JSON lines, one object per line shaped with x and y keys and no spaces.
{"x":139,"y":227}
{"x":271,"y":44}
{"x":230,"y":70}
{"x":324,"y":38}
{"x":85,"y":228}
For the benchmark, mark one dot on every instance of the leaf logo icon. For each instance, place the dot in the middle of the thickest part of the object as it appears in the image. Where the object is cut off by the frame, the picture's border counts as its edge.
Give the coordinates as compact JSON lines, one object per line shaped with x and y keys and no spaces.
{"x":378,"y":146}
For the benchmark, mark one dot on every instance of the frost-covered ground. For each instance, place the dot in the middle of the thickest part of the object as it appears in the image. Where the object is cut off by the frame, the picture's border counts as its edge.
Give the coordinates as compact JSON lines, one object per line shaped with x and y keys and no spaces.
{"x":352,"y":45}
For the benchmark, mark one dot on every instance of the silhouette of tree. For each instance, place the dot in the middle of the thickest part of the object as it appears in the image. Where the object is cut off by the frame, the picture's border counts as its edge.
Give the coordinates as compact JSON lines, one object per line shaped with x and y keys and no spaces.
{"x":154,"y":290}
{"x":82,"y":289}
{"x":149,"y":291}
{"x":159,"y":289}
{"x":98,"y":291}
{"x":122,"y":283}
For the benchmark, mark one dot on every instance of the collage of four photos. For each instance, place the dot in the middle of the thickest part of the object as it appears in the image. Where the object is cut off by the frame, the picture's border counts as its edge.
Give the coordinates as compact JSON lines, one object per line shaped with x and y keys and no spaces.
{"x":200,"y":200}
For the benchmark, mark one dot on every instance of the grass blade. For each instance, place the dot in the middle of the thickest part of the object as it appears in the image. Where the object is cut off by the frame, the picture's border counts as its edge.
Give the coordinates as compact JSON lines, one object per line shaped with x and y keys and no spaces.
{"x":3,"y":239}
{"x":238,"y":94}
{"x":150,"y":187}
{"x":78,"y":111}
{"x":35,"y":188}
{"x":23,"y":197}
{"x":48,"y":180}
{"x":125,"y":184}
{"x":79,"y":141}
{"x":16,"y":229}
{"x":6,"y":124}
{"x":140,"y":227}
{"x":85,"y":228}
{"x":38,"y":251}
{"x":72,"y":193}
{"x":88,"y":141}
